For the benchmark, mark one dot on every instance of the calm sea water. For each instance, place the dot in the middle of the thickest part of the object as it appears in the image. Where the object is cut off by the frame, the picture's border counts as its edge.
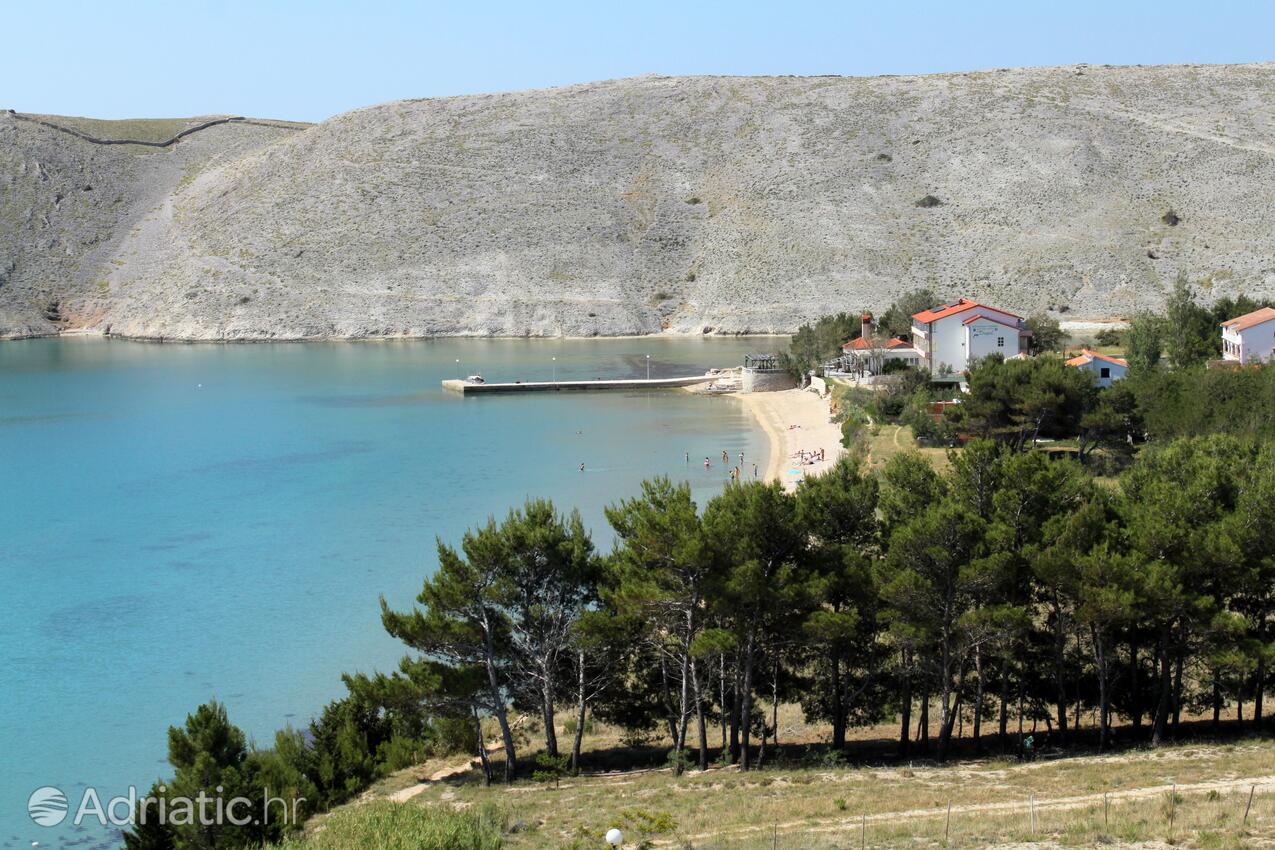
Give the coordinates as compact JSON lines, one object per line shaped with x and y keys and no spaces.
{"x":182,"y":522}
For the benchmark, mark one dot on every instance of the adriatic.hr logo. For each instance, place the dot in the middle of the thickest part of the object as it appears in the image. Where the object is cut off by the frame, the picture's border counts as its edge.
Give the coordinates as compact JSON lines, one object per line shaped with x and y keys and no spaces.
{"x":47,"y":806}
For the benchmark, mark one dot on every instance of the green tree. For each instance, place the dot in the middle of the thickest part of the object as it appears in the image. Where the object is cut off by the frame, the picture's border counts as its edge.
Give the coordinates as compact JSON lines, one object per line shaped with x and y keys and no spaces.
{"x":664,"y":568}
{"x":1046,"y":333}
{"x":815,"y":344}
{"x":1021,"y":400}
{"x":897,"y":319}
{"x":148,"y":830}
{"x":909,"y":485}
{"x":465,"y":623}
{"x":930,"y":586}
{"x":1179,"y":497}
{"x":210,"y":761}
{"x":754,"y":528}
{"x":549,"y":576}
{"x":839,"y":509}
{"x":1191,"y":336}
{"x":1144,"y":343}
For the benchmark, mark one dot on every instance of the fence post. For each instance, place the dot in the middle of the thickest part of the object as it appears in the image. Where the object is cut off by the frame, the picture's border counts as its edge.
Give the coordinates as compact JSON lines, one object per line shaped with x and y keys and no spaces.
{"x":1032,"y":819}
{"x":1106,"y":810}
{"x":1251,"y":792}
{"x":947,"y":824}
{"x":863,"y":831}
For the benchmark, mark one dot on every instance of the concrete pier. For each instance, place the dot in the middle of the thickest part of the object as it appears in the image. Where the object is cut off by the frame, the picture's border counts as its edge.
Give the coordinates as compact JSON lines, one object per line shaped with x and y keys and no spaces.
{"x":473,"y":387}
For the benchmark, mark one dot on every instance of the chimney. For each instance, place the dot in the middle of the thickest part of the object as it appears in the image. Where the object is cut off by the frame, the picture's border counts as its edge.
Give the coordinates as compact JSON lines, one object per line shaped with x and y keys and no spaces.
{"x":866,"y":329}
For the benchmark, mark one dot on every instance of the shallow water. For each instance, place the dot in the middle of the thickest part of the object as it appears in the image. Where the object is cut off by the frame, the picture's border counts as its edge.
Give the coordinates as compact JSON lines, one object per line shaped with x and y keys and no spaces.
{"x":181,"y":522}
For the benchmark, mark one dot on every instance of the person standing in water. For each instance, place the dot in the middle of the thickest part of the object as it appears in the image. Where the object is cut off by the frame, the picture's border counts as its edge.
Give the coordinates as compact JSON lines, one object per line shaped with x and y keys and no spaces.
{"x":725,"y":457}
{"x":741,"y":457}
{"x":688,"y":457}
{"x":706,"y":463}
{"x":754,"y":470}
{"x":582,"y":467}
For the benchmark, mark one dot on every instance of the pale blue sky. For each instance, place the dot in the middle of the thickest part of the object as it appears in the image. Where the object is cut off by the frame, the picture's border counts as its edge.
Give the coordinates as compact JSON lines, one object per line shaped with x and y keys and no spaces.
{"x":307,"y":61}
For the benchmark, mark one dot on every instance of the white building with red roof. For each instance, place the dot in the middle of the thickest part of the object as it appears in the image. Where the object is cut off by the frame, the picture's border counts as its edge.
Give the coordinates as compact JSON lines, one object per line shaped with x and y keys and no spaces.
{"x":1249,"y":338}
{"x":1105,"y":368}
{"x":951,"y":335}
{"x":867,"y":353}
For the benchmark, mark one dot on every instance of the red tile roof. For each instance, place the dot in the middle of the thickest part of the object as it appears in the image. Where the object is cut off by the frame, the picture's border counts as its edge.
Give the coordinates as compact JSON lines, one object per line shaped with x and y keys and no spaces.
{"x":1248,"y":320}
{"x":861,"y":344}
{"x":927,"y":316}
{"x":973,"y":319}
{"x":1085,"y":357}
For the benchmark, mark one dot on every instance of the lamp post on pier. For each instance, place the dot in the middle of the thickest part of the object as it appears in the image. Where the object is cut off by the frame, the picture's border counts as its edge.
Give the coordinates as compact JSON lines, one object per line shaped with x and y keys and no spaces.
{"x":648,"y":367}
{"x":555,"y":369}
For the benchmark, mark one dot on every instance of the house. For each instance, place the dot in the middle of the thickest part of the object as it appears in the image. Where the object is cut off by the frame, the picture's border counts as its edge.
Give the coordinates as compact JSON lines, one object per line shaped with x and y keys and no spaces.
{"x":1249,"y":338}
{"x":867,"y":353}
{"x":951,"y":335}
{"x":1105,"y":369}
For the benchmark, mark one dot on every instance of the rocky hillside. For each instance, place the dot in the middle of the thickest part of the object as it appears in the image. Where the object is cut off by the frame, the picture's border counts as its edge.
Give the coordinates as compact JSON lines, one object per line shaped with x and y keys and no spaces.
{"x":649,"y":204}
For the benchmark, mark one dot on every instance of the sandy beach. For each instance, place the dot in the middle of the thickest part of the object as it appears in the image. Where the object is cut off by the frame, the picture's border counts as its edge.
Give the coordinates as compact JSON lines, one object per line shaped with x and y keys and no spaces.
{"x":795,"y":420}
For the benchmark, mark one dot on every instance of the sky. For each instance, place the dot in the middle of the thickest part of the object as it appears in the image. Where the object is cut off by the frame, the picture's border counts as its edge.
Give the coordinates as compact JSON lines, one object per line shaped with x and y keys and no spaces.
{"x":309,"y":60}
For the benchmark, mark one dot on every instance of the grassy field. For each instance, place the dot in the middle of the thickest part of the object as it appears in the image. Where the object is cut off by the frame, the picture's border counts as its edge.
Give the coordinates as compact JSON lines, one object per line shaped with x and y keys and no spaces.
{"x":1189,"y":796}
{"x":886,"y":440}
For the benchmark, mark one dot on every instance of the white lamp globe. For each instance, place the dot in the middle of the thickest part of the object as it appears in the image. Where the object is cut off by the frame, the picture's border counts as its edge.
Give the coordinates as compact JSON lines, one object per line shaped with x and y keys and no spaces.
{"x":614,"y":837}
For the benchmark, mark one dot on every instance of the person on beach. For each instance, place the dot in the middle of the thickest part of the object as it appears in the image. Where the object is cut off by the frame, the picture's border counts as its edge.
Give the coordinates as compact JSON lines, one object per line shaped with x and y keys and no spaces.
{"x":735,"y":473}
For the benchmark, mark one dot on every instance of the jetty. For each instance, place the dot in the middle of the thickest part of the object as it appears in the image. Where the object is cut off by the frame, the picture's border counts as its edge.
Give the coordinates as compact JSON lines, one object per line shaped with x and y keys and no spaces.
{"x":469,"y":386}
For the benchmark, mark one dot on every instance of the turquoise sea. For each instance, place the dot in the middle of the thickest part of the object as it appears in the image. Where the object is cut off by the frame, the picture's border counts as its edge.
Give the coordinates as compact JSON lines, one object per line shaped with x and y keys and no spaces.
{"x":181,"y":522}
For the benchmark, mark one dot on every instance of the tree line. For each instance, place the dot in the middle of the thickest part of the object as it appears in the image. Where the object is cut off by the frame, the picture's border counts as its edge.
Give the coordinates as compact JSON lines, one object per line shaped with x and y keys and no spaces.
{"x":1008,"y":588}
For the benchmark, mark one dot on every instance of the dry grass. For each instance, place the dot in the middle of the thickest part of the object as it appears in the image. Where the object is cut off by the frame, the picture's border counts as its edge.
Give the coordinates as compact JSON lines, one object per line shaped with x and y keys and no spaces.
{"x":885,"y":441}
{"x":817,"y":807}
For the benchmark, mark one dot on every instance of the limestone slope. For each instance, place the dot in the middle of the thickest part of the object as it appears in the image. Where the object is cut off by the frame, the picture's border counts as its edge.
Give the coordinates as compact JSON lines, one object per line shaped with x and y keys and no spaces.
{"x":692,"y":204}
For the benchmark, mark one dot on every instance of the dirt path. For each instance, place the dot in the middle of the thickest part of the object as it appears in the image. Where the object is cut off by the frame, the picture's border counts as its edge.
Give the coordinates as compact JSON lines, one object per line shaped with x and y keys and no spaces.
{"x":404,"y":794}
{"x":1053,"y":804}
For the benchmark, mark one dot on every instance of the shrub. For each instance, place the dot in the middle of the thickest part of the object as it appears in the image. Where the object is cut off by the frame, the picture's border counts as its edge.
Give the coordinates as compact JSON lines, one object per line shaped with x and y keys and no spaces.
{"x":551,"y":768}
{"x":393,"y":826}
{"x":678,"y":760}
{"x":569,"y":725}
{"x":929,"y":201}
{"x":399,"y":752}
{"x":1108,"y":336}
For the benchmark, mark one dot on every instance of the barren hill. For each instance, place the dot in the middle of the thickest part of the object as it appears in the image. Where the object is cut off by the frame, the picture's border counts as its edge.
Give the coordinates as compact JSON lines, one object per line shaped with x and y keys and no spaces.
{"x":655,"y":203}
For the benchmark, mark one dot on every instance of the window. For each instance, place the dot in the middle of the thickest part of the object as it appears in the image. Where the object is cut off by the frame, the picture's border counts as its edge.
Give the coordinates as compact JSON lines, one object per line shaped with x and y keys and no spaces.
{"x":1104,"y":372}
{"x":1000,"y":342}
